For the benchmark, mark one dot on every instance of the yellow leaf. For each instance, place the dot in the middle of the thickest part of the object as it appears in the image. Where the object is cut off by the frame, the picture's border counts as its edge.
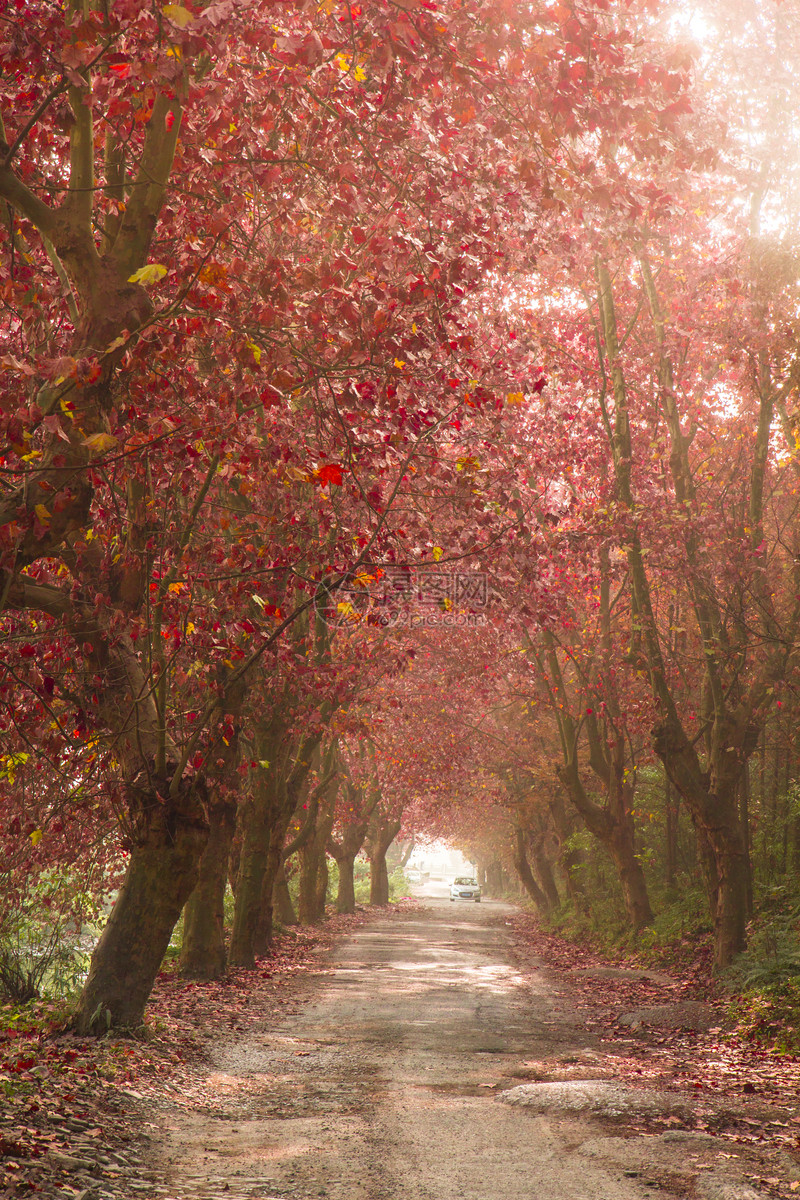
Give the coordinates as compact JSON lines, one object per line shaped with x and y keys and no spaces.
{"x":515,"y":398}
{"x":256,"y":350}
{"x":437,"y":553}
{"x":175,"y":588}
{"x":399,"y":363}
{"x":148,"y":275}
{"x":359,"y":74}
{"x":36,"y":837}
{"x":189,"y":627}
{"x":342,"y":61}
{"x":179,"y":15}
{"x":42,"y":513}
{"x":98,"y":443}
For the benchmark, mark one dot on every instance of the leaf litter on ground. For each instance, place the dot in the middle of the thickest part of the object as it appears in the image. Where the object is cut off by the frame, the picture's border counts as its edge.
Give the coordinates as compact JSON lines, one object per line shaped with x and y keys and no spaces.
{"x":708,"y":1061}
{"x":70,"y":1106}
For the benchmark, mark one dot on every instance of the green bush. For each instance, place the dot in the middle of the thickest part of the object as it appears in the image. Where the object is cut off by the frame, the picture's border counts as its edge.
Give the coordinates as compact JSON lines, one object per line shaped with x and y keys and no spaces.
{"x":399,"y":886}
{"x":45,"y":939}
{"x":767,"y":976}
{"x":770,"y":1016}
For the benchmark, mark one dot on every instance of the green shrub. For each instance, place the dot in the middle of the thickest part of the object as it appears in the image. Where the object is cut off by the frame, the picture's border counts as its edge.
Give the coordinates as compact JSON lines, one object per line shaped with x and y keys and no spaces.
{"x":770,"y":1016}
{"x":767,"y":976}
{"x":45,"y":939}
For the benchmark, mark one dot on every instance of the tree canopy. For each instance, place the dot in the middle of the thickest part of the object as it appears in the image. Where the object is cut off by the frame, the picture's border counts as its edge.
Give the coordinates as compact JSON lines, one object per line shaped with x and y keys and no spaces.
{"x":399,"y":428}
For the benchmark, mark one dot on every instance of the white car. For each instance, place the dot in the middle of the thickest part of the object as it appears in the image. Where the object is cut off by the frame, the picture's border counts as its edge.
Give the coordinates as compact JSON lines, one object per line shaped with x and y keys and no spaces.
{"x":465,"y":888}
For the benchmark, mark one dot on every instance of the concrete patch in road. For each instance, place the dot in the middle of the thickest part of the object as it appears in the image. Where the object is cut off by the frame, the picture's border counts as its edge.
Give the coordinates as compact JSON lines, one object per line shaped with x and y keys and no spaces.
{"x":598,"y":1096}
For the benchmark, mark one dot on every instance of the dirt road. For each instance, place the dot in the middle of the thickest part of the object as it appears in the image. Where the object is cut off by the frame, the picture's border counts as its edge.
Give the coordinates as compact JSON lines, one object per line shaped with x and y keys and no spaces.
{"x":405,"y":1074}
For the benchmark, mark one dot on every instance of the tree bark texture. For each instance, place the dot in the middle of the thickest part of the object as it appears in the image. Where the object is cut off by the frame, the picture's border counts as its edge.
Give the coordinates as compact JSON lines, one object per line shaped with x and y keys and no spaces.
{"x":203,"y":953}
{"x":346,"y":892}
{"x":526,"y":876}
{"x":282,"y":906}
{"x":382,"y":833}
{"x":162,"y":872}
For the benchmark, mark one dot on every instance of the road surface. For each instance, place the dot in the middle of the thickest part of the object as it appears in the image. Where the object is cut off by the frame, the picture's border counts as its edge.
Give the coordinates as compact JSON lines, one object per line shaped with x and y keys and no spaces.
{"x":396,"y":1078}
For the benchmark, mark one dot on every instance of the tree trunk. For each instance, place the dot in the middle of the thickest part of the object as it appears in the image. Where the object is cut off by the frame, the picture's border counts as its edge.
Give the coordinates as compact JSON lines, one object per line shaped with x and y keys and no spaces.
{"x":249,"y":884}
{"x":544,"y":869}
{"x":346,"y":895}
{"x":526,"y":877}
{"x":265,"y":926}
{"x":307,"y":894}
{"x":382,"y":834}
{"x":571,"y":859}
{"x":744,"y":822}
{"x":378,"y":879}
{"x":282,"y":906}
{"x":162,"y":872}
{"x":631,"y":877}
{"x":730,"y":914}
{"x":671,"y":833}
{"x":265,"y":821}
{"x":323,"y":878}
{"x":314,"y":865}
{"x":203,"y":950}
{"x":494,"y":879}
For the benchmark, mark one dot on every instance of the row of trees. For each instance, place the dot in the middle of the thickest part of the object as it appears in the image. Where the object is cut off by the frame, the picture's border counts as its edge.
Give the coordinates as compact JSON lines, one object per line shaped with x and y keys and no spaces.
{"x":338,"y":341}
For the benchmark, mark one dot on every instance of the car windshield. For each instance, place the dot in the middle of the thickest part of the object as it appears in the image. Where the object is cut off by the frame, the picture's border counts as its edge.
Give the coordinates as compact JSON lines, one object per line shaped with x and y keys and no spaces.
{"x":464,"y":882}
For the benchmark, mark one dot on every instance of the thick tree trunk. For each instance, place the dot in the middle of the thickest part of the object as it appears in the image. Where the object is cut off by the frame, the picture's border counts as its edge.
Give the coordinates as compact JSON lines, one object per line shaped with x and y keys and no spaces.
{"x":264,"y":834}
{"x":346,"y":895}
{"x":382,"y":834}
{"x":378,"y":878}
{"x":323,"y":878}
{"x":161,"y":875}
{"x":730,"y":914}
{"x":203,"y":953}
{"x":307,"y":909}
{"x":282,"y":906}
{"x":314,"y":865}
{"x":265,"y":927}
{"x":631,"y":877}
{"x":249,"y":886}
{"x":708,"y":866}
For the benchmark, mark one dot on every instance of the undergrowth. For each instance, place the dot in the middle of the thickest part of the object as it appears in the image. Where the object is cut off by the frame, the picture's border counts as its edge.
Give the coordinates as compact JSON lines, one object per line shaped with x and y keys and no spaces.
{"x":765,"y":980}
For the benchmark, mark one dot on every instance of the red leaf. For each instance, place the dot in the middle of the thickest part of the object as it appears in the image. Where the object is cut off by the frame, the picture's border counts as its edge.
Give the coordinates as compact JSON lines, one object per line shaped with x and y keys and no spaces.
{"x":330,"y":473}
